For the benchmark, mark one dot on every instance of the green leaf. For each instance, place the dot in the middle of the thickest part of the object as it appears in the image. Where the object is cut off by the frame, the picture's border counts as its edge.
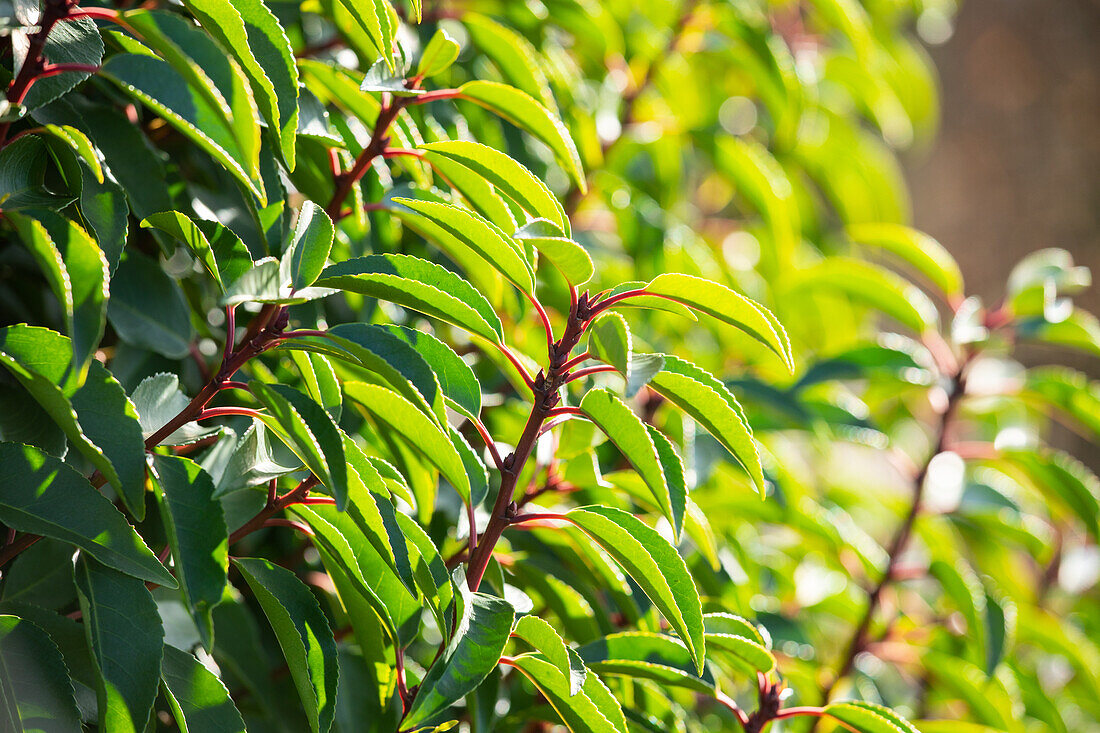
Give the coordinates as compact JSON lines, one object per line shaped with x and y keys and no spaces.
{"x":673,"y":469}
{"x":225,"y":259}
{"x":731,"y":625}
{"x":377,"y":349}
{"x":126,"y":637}
{"x":75,"y":41}
{"x":157,"y":400}
{"x":506,"y":174}
{"x":362,"y":573}
{"x":309,"y":246}
{"x":195,"y":526}
{"x":629,"y":434}
{"x":198,"y":698}
{"x":96,"y":416}
{"x":460,"y":387}
{"x":1068,"y":391}
{"x":865,"y":717}
{"x":922,"y":252}
{"x":35,"y":676}
{"x":253,"y":35}
{"x":577,"y":711}
{"x":709,"y":403}
{"x":452,"y":226}
{"x":726,"y":305}
{"x":251,"y":462}
{"x":157,"y":85}
{"x":438,"y":55}
{"x":542,"y":636}
{"x":646,"y":655}
{"x":572,"y":260}
{"x":523,"y":111}
{"x":482,"y":630}
{"x":654,"y":565}
{"x":517,"y":58}
{"x":104,"y":208}
{"x":77,"y":271}
{"x":303,"y":634}
{"x":79,"y":143}
{"x":419,"y":285}
{"x":874,"y":287}
{"x":321,"y":381}
{"x":23,"y":166}
{"x":109,"y":421}
{"x":44,"y":496}
{"x":266,"y":282}
{"x":208,"y":71}
{"x":414,"y":426}
{"x":148,"y":309}
{"x":309,"y":431}
{"x":754,"y":656}
{"x":609,"y":341}
{"x":375,"y":19}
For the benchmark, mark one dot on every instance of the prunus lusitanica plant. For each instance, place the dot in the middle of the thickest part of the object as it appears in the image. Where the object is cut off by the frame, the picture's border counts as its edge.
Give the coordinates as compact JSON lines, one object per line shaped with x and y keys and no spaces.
{"x":512,"y":366}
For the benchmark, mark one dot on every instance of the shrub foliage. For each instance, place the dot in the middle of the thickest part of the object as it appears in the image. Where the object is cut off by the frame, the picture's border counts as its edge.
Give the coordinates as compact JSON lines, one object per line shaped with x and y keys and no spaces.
{"x":379,"y":367}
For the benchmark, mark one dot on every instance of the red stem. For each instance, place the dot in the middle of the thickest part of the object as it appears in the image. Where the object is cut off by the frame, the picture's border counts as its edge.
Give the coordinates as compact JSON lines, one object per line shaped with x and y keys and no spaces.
{"x":397,"y":152}
{"x":535,"y":517}
{"x":433,"y":96}
{"x":576,"y":360}
{"x":604,"y":305}
{"x":518,"y":365}
{"x":55,"y":69}
{"x":588,"y":371}
{"x":379,"y":137}
{"x":565,"y":411}
{"x":226,"y":412}
{"x":490,"y":444}
{"x":297,"y":526}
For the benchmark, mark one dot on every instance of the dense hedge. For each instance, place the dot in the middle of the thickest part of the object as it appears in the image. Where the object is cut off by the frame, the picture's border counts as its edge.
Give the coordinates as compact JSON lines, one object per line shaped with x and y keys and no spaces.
{"x":504,"y":365}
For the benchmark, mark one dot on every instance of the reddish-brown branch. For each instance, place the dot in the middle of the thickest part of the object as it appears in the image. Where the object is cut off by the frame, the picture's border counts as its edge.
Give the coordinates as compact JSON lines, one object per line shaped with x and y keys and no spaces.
{"x":294,"y":496}
{"x":490,"y":444}
{"x":379,"y":137}
{"x":226,"y":412}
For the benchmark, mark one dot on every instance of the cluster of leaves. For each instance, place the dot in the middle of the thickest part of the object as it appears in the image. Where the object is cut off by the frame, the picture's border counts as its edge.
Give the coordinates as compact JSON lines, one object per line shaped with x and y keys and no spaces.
{"x":381,"y":367}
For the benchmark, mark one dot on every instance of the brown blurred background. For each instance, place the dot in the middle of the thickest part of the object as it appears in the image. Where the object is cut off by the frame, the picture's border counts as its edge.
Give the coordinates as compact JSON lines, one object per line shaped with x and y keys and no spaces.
{"x":1016,"y":165}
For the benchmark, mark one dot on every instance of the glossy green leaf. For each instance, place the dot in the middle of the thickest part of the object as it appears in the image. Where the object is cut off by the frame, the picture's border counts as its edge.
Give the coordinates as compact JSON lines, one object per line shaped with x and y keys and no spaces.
{"x":646,"y":655}
{"x":157,"y":400}
{"x":309,"y":246}
{"x":542,"y":636}
{"x":482,"y":630}
{"x":917,"y":249}
{"x":23,"y":166}
{"x":303,"y":634}
{"x":571,"y":259}
{"x":38,"y":694}
{"x":711,"y":404}
{"x":109,"y":421}
{"x":376,"y":20}
{"x":253,"y":35}
{"x":525,"y":112}
{"x":126,"y":638}
{"x":157,"y":85}
{"x":452,"y":226}
{"x":194,"y":523}
{"x":609,"y":341}
{"x":44,"y":496}
{"x":438,"y":55}
{"x":506,"y":174}
{"x":81,"y":145}
{"x":220,"y":251}
{"x":457,"y":380}
{"x":148,"y":309}
{"x":76,"y":41}
{"x":77,"y":271}
{"x":517,"y":58}
{"x":654,"y":565}
{"x":419,"y":285}
{"x":309,"y":431}
{"x":672,"y":466}
{"x":266,"y":282}
{"x":629,"y":434}
{"x":726,"y":305}
{"x":577,"y":711}
{"x":865,"y":717}
{"x":424,"y":434}
{"x":322,"y":384}
{"x":199,"y":700}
